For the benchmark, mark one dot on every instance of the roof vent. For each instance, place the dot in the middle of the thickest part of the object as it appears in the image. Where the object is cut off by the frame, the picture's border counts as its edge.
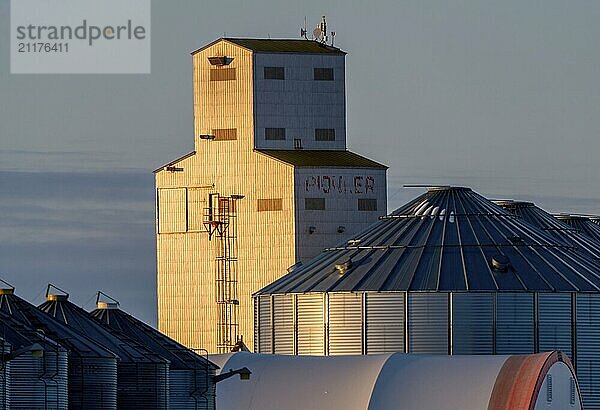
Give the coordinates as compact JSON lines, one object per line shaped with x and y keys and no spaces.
{"x":500,"y":263}
{"x":342,"y":268}
{"x":7,"y":288}
{"x":53,"y":296}
{"x":515,"y":239}
{"x":110,"y":303}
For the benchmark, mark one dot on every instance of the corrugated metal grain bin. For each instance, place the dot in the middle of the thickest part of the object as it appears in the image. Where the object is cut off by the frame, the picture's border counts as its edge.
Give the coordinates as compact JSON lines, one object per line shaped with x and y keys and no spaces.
{"x":587,"y":226}
{"x":448,"y":273}
{"x":142,"y":375}
{"x":92,"y":369}
{"x":190,"y":375}
{"x":558,"y":227}
{"x":4,"y":376}
{"x":39,"y":377}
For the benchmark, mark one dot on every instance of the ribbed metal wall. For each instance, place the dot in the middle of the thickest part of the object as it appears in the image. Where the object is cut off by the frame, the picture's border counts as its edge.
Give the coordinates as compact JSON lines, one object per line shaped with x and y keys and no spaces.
{"x":514,"y":323}
{"x":4,"y":377}
{"x":384,"y":317}
{"x":428,"y":323}
{"x":265,"y":326}
{"x":345,"y":323}
{"x":283,"y":324}
{"x":92,"y":383}
{"x":472,"y":323}
{"x":310,"y":324}
{"x":189,"y":390}
{"x":40,"y":383}
{"x":588,"y":349}
{"x":143,"y":386}
{"x":555,"y":322}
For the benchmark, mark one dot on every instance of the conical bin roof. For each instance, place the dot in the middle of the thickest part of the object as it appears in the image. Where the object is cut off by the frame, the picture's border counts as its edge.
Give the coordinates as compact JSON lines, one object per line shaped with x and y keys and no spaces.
{"x":583,"y":224}
{"x":181,"y":357}
{"x":560,"y":230}
{"x":448,"y":239}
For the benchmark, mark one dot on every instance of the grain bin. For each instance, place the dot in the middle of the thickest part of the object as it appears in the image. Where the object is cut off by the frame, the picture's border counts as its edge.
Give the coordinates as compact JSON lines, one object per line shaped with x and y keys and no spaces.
{"x":92,"y":369}
{"x":584,"y":224}
{"x":560,"y":230}
{"x":448,"y":273}
{"x":142,"y":375}
{"x":190,"y":375}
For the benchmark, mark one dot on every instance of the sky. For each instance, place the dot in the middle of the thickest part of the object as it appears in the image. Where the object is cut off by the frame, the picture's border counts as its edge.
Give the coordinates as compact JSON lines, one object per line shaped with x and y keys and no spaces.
{"x":500,"y":96}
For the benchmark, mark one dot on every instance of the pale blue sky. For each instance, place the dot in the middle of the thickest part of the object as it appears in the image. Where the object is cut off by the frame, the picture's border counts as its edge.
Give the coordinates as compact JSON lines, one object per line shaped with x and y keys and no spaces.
{"x":500,"y":96}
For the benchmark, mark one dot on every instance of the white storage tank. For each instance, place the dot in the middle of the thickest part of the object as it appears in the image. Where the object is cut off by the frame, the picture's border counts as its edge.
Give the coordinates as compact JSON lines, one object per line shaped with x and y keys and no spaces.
{"x":405,"y":381}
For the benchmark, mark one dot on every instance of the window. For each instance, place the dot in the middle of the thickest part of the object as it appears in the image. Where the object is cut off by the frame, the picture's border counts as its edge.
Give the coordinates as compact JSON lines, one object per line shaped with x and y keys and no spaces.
{"x":323,"y":74}
{"x":274,"y":73}
{"x":367,"y":204}
{"x":225,"y":134}
{"x":297,"y":143}
{"x":275,"y":204}
{"x":314,"y":204}
{"x":325,"y":134}
{"x":274,"y":134}
{"x":222,"y":74}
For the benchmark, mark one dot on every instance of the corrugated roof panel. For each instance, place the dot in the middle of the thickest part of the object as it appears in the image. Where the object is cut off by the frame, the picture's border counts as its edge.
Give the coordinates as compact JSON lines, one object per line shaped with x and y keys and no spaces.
{"x":448,"y":239}
{"x":583,"y":224}
{"x":322,"y":158}
{"x":180,"y":356}
{"x":262,"y":45}
{"x":569,"y":230}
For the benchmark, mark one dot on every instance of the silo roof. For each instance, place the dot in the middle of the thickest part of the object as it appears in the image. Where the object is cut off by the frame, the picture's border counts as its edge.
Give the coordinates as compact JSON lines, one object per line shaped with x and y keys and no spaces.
{"x":75,"y":317}
{"x":21,"y":314}
{"x":448,"y":239}
{"x":560,"y":230}
{"x":267,"y":45}
{"x":322,"y":158}
{"x":583,"y":224}
{"x":180,"y":356}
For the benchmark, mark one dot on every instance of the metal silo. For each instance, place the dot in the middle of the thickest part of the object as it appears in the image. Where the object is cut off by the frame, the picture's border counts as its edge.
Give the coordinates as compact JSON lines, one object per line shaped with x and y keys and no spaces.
{"x":583,"y":224}
{"x":556,"y":226}
{"x":190,"y":375}
{"x":92,"y":369}
{"x":448,"y":273}
{"x":38,"y":379}
{"x":4,"y":375}
{"x":142,"y":375}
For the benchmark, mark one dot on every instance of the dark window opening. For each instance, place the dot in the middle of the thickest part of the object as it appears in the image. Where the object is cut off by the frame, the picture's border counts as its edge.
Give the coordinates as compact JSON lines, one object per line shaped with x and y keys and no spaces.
{"x":222,"y":74}
{"x":325,"y":134}
{"x":274,"y":134}
{"x":323,"y":74}
{"x":367,"y":204}
{"x":314,"y":204}
{"x":274,"y":73}
{"x":225,"y":134}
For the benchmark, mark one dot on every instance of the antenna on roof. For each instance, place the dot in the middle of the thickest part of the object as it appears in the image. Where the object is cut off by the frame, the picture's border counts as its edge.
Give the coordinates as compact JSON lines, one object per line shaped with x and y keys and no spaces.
{"x":303,"y":30}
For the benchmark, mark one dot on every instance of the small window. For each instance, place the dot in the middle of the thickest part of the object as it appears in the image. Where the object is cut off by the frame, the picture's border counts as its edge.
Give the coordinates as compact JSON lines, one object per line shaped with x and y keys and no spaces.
{"x":314,"y":204}
{"x":274,"y":73}
{"x":222,"y":74}
{"x":225,"y":134}
{"x":297,"y":143}
{"x":325,"y":134}
{"x":323,"y":74}
{"x":275,"y":204}
{"x":274,"y":134}
{"x":367,"y":204}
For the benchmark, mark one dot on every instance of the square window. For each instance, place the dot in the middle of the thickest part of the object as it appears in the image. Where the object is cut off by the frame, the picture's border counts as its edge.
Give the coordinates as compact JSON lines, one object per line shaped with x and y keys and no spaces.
{"x":324,"y":134}
{"x":274,"y":134}
{"x":323,"y":74}
{"x":274,"y":73}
